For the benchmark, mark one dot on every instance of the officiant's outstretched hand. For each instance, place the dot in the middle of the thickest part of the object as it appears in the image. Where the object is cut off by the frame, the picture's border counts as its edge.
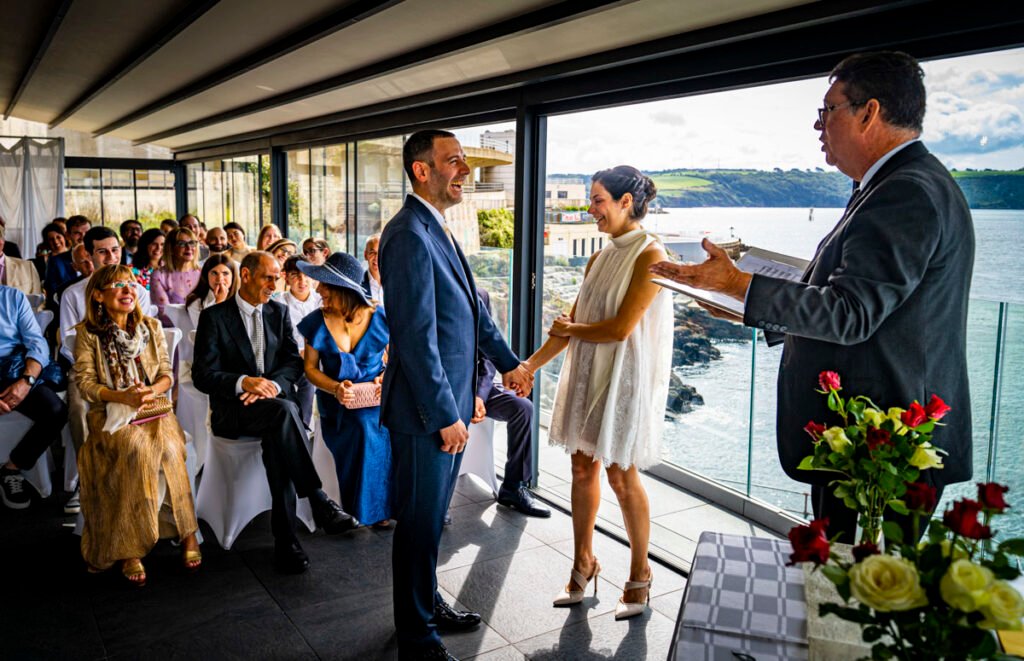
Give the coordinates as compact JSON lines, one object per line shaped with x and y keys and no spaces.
{"x":717,"y":273}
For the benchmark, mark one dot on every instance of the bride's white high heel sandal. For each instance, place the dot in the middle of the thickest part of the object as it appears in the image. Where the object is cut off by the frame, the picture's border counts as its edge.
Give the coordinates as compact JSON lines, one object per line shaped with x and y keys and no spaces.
{"x":627,"y":609}
{"x":569,"y":597}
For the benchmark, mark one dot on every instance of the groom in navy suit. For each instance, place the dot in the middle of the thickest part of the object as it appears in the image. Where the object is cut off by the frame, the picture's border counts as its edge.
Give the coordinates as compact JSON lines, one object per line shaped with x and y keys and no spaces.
{"x":437,"y":327}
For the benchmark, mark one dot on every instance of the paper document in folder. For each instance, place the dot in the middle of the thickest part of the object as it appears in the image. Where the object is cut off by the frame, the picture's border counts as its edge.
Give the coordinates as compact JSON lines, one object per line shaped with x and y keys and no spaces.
{"x":755,"y":260}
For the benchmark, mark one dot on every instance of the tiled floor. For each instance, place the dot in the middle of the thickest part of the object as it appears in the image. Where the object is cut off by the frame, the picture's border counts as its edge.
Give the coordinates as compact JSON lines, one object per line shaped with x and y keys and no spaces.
{"x":493,"y":560}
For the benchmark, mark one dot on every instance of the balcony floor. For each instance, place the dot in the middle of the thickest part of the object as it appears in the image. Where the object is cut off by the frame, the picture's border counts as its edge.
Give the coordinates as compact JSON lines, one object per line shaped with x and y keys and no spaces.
{"x":493,"y":560}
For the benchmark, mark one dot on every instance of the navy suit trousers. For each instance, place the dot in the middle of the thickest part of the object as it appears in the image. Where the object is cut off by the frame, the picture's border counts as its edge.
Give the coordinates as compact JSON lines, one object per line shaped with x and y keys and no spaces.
{"x":424,"y":478}
{"x":517,"y":411}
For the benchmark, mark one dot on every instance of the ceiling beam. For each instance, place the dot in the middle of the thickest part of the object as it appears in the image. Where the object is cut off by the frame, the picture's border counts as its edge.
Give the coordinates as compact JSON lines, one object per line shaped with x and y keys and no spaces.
{"x":44,"y":45}
{"x":530,"y":22}
{"x":354,"y":12}
{"x":162,"y":37}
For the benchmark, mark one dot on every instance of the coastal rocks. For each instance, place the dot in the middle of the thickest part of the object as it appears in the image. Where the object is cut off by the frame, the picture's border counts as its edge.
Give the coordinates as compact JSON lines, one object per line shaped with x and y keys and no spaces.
{"x":681,"y":398}
{"x":695,"y":331}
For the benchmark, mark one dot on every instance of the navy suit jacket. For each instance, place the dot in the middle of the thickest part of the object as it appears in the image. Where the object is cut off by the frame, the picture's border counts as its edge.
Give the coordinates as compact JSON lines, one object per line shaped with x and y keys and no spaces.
{"x":223,"y":352}
{"x":59,"y":270}
{"x":884,"y":304}
{"x":437,"y":326}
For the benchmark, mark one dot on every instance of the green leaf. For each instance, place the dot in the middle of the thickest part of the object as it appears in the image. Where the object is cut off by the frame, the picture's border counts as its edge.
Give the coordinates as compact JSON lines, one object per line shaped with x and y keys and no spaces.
{"x":807,"y":464}
{"x":892,"y":532}
{"x":1012,"y":546}
{"x":847,"y":613}
{"x":899,"y":507}
{"x":872,"y":633}
{"x":835,"y":574}
{"x":879,"y":651}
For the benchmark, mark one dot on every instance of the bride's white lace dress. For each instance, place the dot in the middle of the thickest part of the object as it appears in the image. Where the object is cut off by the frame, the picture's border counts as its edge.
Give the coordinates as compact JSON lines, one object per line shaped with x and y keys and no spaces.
{"x":611,"y":396}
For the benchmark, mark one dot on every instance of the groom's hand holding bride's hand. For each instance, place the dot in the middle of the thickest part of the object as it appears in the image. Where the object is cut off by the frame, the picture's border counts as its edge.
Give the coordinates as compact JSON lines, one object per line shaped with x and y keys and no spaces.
{"x":519,"y":380}
{"x":454,"y":437}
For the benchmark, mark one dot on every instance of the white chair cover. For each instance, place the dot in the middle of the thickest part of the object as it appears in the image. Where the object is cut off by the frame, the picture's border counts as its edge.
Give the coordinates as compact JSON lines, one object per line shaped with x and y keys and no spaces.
{"x":43,"y":318}
{"x":35,"y":300}
{"x":234,"y":488}
{"x":323,"y":461}
{"x":13,"y":428}
{"x":194,"y":416}
{"x":178,"y":315}
{"x":478,"y":457}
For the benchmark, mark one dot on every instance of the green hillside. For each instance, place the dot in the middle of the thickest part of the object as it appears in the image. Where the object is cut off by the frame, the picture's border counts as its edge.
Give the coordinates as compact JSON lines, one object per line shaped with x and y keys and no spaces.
{"x":984,"y":189}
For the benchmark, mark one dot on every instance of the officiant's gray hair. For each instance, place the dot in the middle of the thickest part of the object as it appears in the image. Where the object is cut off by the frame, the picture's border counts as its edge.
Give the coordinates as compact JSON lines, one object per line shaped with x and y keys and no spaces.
{"x":623,"y":179}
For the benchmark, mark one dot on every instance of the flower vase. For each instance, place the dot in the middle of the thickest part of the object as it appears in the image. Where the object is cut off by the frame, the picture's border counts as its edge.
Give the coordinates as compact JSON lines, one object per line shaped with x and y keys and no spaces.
{"x":872,"y":532}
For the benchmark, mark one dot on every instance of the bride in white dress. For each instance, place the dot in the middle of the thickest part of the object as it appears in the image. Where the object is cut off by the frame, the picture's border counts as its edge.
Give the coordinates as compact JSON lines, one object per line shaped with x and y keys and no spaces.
{"x":614,"y":382}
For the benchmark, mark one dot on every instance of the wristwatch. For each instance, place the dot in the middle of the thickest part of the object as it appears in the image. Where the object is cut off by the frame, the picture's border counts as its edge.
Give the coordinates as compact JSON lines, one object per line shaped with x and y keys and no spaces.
{"x":31,"y":379}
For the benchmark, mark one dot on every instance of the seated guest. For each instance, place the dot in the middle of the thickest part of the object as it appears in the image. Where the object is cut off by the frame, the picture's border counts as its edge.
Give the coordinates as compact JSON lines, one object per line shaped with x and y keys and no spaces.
{"x":282,"y":249}
{"x":246,"y":360}
{"x":315,"y":251}
{"x":269,"y":234}
{"x":216,"y":241}
{"x":217,"y":282}
{"x":149,"y":256}
{"x":301,"y":301}
{"x":10,"y":249}
{"x":58,"y":268}
{"x":371,"y":281}
{"x":179,"y":275}
{"x":345,"y":345}
{"x":134,"y":484}
{"x":15,"y":272}
{"x":82,"y":261}
{"x":495,"y":402}
{"x":23,"y":355}
{"x":236,"y":242}
{"x":168,"y":224}
{"x":54,"y":243}
{"x":192,"y":224}
{"x":131,"y":232}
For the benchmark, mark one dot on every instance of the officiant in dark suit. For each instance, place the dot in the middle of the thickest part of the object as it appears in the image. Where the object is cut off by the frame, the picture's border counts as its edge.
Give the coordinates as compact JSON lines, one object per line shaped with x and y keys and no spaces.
{"x":247,"y":361}
{"x":884,"y":300}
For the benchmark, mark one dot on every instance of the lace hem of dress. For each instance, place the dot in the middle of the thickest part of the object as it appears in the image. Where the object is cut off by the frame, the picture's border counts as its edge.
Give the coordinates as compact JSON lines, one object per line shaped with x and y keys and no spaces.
{"x":572,"y":447}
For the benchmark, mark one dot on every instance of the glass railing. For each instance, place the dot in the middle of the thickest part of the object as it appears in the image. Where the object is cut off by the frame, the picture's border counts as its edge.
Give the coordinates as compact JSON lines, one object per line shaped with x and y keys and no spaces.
{"x":720,"y":418}
{"x":492,"y":270}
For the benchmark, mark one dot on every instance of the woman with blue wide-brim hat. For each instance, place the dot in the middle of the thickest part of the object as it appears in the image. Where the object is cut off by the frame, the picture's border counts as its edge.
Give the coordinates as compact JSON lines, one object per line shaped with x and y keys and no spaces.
{"x":345,"y":345}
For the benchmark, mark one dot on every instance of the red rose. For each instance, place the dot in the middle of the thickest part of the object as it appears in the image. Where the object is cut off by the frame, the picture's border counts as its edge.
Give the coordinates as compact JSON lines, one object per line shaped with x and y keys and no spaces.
{"x":990,"y":495}
{"x":864,"y":550}
{"x":914,"y":416}
{"x":809,"y":543}
{"x":877,"y":438}
{"x":815,"y":430}
{"x":829,"y":381}
{"x":920,"y":497}
{"x":936,"y":408}
{"x":963,"y":520}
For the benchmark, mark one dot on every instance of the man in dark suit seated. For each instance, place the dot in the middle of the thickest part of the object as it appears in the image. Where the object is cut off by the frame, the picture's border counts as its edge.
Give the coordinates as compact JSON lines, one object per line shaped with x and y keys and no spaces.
{"x":59,"y":269}
{"x":884,"y":301}
{"x":493,"y":401}
{"x":247,"y":361}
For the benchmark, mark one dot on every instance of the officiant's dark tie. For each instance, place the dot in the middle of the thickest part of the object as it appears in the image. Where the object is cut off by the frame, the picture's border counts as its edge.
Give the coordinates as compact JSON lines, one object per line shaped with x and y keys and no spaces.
{"x":858,"y":193}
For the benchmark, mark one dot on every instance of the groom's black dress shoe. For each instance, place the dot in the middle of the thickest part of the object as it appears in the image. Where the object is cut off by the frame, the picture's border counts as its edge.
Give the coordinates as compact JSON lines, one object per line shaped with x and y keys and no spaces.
{"x":447,"y":618}
{"x":436,"y":652}
{"x":521,"y":500}
{"x":328,"y":515}
{"x":289,"y":558}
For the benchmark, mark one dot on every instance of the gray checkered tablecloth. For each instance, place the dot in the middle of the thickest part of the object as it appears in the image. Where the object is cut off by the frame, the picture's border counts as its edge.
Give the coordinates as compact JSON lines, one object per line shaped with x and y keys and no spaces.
{"x":742,"y":602}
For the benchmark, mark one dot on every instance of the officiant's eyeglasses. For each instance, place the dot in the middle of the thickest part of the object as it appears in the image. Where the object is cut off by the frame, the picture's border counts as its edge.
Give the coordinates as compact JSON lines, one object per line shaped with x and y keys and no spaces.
{"x":822,"y":112}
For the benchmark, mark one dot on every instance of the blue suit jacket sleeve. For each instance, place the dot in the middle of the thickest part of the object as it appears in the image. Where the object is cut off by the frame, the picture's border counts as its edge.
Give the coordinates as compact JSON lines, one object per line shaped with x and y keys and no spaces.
{"x":412,"y":323}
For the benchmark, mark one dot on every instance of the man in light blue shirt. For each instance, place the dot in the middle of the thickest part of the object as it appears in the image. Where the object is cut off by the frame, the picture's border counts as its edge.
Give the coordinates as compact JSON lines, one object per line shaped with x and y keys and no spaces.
{"x":23,"y":355}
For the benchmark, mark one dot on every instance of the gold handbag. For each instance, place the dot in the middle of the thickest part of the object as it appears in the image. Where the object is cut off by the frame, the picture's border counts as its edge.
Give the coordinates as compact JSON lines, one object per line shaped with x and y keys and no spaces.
{"x":158,"y":407}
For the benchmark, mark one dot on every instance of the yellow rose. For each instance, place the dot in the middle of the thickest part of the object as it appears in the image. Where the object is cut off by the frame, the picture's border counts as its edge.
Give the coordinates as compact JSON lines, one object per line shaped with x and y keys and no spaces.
{"x":836,"y":439}
{"x":887,"y":583}
{"x":894,"y":415}
{"x":965,"y":586}
{"x":926,"y":456}
{"x":1005,"y":608}
{"x":874,"y":417}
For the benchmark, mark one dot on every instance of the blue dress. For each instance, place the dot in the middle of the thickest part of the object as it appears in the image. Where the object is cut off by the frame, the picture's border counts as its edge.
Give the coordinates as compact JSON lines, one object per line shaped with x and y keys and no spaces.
{"x":360,"y":444}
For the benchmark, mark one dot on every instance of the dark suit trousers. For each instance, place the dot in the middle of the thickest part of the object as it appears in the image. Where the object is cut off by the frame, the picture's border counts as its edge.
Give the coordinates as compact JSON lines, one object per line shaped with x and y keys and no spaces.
{"x":49,"y":415}
{"x":304,"y":392}
{"x":843,"y":520}
{"x":423,"y":478}
{"x":517,"y":412}
{"x":285,"y":457}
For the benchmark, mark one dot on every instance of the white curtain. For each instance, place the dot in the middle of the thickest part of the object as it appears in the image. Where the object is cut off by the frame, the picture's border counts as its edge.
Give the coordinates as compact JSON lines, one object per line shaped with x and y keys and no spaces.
{"x":31,"y":188}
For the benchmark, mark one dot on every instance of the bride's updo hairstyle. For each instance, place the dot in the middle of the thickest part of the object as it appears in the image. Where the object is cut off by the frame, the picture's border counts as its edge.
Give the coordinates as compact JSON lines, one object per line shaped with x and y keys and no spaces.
{"x":623,"y":179}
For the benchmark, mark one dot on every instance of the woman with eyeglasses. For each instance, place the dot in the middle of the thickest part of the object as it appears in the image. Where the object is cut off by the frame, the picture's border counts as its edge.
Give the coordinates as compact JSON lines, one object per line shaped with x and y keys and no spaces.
{"x":149,"y":256}
{"x":134,"y":484}
{"x":315,"y":251}
{"x":180,"y":272}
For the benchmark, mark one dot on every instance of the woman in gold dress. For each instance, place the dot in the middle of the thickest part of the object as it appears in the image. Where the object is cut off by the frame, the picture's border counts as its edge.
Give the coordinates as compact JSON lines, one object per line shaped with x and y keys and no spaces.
{"x":135,"y":486}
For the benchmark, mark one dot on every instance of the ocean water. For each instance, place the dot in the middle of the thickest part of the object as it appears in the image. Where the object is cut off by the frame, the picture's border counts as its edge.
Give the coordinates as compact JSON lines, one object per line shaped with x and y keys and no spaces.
{"x":713,"y":439}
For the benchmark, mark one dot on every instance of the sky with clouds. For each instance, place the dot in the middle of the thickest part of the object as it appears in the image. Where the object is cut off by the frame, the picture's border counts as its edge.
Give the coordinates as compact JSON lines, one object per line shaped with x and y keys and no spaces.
{"x":975,"y":119}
